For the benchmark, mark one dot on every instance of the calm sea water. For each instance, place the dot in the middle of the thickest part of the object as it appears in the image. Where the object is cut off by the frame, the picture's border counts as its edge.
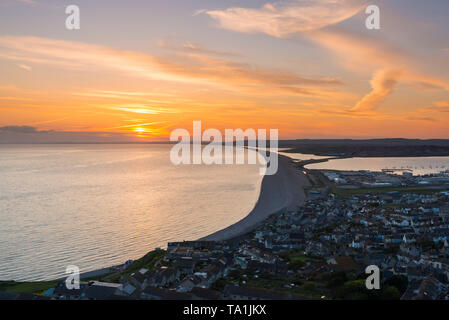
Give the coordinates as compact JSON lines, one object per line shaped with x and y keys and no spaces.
{"x":419,"y":165}
{"x":98,"y":205}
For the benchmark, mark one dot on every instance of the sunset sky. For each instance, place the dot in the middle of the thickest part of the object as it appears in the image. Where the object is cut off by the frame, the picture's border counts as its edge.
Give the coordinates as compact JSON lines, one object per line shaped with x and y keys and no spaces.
{"x":138,"y":69}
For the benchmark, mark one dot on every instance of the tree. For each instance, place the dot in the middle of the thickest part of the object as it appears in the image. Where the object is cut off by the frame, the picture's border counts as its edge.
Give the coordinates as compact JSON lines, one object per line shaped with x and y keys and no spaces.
{"x":296,"y":264}
{"x":391,"y":293}
{"x":336,"y":279}
{"x":400,"y":282}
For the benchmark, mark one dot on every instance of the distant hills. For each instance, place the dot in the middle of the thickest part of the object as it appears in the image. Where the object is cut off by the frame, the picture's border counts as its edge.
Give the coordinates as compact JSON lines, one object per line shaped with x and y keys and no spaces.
{"x":369,"y":148}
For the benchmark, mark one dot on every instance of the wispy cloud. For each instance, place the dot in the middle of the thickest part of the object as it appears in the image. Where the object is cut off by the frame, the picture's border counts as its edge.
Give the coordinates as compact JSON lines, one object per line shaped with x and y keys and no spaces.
{"x":9,"y":3}
{"x":437,"y":107}
{"x":201,"y":69}
{"x":142,"y":109}
{"x":357,"y":53}
{"x":24,"y":66}
{"x":420,"y":118}
{"x":31,"y":2}
{"x":194,"y":48}
{"x":442,"y":104}
{"x":22,"y":129}
{"x":284,"y":18}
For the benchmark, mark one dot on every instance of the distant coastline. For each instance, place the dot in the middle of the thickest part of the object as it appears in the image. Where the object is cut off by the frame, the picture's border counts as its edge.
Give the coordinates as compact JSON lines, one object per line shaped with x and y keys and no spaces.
{"x":350,"y":148}
{"x":345,"y":148}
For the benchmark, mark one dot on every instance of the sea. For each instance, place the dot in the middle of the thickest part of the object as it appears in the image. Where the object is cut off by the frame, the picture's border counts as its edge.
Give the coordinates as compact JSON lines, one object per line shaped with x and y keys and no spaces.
{"x":95,"y":206}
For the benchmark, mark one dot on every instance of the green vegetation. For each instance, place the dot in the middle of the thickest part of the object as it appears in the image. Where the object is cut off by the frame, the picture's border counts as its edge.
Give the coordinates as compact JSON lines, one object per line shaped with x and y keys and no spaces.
{"x":353,"y":290}
{"x":346,"y":193}
{"x":219,"y":285}
{"x":102,"y":277}
{"x":348,"y":286}
{"x":269,"y":282}
{"x":147,"y":261}
{"x":310,"y":289}
{"x":400,"y":282}
{"x":391,"y":293}
{"x":335,"y":279}
{"x":315,"y":181}
{"x":284,"y":284}
{"x":37,"y":287}
{"x":356,"y":290}
{"x":296,"y":259}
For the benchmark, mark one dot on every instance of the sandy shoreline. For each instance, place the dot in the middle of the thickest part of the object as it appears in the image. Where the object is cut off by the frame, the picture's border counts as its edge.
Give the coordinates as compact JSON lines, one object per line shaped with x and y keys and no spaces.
{"x":281,"y":191}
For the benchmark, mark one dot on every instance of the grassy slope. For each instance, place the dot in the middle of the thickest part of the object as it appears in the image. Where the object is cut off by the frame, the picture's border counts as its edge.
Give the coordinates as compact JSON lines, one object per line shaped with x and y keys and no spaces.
{"x":37,"y":287}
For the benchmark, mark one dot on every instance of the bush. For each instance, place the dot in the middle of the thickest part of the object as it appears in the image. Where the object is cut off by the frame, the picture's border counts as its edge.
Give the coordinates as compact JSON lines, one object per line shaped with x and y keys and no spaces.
{"x":219,"y":285}
{"x":353,"y":290}
{"x":336,"y":279}
{"x":400,"y":282}
{"x":391,"y":293}
{"x":296,"y":264}
{"x":309,"y":286}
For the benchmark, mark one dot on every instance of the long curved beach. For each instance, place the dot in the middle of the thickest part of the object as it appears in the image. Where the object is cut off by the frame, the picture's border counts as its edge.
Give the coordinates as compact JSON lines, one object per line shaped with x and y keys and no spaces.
{"x":281,"y":191}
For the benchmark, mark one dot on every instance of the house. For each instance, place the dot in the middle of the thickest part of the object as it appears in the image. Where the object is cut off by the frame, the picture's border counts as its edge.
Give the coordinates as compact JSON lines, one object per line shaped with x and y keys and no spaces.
{"x":426,"y":289}
{"x":205,"y":294}
{"x":8,"y":295}
{"x":242,"y":293}
{"x":29,"y":296}
{"x":190,"y":282}
{"x":211,"y":245}
{"x":139,"y":278}
{"x":278,"y":267}
{"x":345,"y":264}
{"x":415,"y":273}
{"x":153,"y":293}
{"x":130,"y":290}
{"x":164,"y":277}
{"x":62,"y":292}
{"x":261,"y":267}
{"x":97,"y":290}
{"x":186,"y":264}
{"x":173,"y":295}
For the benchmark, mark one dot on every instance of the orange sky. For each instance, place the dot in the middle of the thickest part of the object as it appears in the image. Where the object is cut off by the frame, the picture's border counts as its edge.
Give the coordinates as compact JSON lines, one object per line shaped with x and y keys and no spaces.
{"x":311,"y":70}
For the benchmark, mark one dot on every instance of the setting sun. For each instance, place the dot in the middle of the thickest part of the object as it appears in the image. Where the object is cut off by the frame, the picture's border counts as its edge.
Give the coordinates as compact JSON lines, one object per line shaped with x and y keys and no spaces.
{"x":140,"y":130}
